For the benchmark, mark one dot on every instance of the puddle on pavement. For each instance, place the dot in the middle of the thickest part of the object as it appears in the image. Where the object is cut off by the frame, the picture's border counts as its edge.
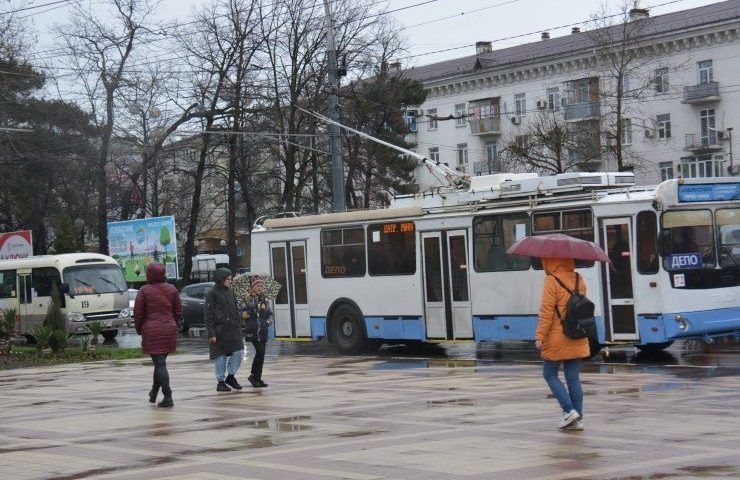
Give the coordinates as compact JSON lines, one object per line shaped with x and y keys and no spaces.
{"x":284,"y":424}
{"x":457,"y":402}
{"x":699,"y":471}
{"x":359,"y":433}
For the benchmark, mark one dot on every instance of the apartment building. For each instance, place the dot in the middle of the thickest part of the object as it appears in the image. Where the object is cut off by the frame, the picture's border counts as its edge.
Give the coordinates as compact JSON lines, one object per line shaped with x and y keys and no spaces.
{"x":679,"y":97}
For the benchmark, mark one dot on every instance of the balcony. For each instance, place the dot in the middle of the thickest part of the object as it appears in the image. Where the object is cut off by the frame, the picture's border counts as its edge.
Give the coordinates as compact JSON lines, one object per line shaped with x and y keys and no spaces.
{"x":698,"y":144}
{"x":704,"y":92}
{"x":582,"y":111}
{"x":485,"y":126}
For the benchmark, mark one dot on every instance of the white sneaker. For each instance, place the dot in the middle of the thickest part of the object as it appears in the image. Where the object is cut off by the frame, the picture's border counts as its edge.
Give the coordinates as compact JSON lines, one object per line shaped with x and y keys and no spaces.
{"x":578,"y":425}
{"x":569,"y":418}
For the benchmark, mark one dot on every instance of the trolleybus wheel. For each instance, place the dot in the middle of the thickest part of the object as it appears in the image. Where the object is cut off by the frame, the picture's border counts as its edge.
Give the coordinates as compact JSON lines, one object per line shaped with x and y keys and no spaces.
{"x":654,"y":347}
{"x":348,"y":333}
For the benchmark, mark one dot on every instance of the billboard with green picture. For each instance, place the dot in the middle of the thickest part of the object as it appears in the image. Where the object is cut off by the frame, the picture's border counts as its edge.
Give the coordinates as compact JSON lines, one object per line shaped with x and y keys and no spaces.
{"x":137,"y":243}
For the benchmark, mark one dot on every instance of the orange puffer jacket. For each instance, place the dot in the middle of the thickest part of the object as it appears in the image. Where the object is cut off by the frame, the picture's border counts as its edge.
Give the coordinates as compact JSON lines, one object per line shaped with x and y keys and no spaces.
{"x":555,"y":345}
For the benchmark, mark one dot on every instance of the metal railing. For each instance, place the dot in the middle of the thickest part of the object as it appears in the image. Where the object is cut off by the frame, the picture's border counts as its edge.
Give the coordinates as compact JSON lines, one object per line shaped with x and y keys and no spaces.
{"x":479,"y":126}
{"x":486,"y":167}
{"x":701,"y":91}
{"x":579,"y":111}
{"x":697,"y":142}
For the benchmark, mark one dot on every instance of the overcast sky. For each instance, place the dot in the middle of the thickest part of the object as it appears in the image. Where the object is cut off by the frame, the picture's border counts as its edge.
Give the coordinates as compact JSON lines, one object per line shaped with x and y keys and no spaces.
{"x":472,"y":20}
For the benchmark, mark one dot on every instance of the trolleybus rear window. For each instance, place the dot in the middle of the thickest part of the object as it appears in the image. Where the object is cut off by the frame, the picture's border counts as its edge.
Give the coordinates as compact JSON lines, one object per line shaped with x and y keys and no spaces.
{"x":343,"y":252}
{"x":493,"y":235}
{"x":391,"y":248}
{"x":688,"y":240}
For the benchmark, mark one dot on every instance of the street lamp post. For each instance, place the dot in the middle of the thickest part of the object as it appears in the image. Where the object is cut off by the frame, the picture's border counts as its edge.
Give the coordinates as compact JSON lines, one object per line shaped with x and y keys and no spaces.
{"x":729,"y":135}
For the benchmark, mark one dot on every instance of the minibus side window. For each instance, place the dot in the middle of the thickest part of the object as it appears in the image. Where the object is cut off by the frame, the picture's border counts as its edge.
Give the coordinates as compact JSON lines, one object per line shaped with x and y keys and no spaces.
{"x":42,"y":280}
{"x":8,"y":284}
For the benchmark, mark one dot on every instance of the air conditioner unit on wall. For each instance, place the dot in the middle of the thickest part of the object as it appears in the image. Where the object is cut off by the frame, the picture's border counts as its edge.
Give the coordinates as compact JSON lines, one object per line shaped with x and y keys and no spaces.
{"x":649,"y":133}
{"x":516,"y":120}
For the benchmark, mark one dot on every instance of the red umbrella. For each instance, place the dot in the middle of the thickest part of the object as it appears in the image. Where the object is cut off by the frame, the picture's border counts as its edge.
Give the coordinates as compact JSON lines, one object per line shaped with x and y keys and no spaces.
{"x":558,"y":245}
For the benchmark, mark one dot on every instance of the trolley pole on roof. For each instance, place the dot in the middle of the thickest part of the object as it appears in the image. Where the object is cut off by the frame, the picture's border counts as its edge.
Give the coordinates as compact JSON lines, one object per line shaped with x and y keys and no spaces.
{"x":337,"y":167}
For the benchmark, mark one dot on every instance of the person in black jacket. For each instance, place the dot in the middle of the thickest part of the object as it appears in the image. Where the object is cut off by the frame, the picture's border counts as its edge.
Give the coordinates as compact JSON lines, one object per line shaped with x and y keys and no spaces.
{"x":258,"y":321}
{"x":224,"y":326}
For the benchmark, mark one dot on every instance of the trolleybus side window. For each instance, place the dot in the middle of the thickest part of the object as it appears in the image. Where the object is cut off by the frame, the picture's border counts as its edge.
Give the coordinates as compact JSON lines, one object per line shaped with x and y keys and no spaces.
{"x":343,"y":252}
{"x":391,"y":248}
{"x":7,"y":284}
{"x":688,"y":240}
{"x":647,"y":242}
{"x":43,"y":279}
{"x":493,"y":235}
{"x":728,"y":236}
{"x":575,"y":223}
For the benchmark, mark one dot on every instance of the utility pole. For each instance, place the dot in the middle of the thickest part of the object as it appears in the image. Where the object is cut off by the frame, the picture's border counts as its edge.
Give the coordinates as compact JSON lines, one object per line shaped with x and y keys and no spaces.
{"x":337,"y":167}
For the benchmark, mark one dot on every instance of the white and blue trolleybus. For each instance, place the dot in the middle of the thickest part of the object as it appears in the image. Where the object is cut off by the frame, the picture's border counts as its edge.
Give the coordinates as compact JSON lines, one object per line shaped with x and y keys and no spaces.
{"x":433,"y":266}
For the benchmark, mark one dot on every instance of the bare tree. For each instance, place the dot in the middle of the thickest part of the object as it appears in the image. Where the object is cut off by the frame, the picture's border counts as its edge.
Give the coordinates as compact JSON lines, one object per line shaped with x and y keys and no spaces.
{"x":549,"y":144}
{"x":296,"y":76}
{"x":625,"y":80}
{"x":99,"y":53}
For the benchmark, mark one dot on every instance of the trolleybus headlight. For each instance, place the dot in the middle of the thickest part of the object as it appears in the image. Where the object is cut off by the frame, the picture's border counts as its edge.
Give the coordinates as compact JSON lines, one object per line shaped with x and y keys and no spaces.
{"x":125,"y":313}
{"x":682,"y":325}
{"x":75,"y":317}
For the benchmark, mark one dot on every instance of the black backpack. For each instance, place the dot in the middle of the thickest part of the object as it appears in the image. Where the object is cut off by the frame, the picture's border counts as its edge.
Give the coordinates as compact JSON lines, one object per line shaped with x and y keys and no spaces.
{"x":579,"y":317}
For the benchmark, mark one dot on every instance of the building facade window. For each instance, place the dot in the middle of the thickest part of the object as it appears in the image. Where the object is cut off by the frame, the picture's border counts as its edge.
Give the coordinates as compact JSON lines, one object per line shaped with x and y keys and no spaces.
{"x":666,"y":171}
{"x":626,"y":85}
{"x":492,"y":157}
{"x":701,"y":166}
{"x":664,"y":126}
{"x":661,"y":80}
{"x":708,"y":132}
{"x":460,"y":115}
{"x":520,"y":102}
{"x":462,"y":154}
{"x":706,"y":71}
{"x":553,"y":99}
{"x":411,"y":120}
{"x":434,"y":154}
{"x":626,"y":131}
{"x":432,"y":123}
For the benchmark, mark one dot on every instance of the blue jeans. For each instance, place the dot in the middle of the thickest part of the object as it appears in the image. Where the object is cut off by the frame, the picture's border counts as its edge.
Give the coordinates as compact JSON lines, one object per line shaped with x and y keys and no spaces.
{"x":231,"y":365}
{"x":572,"y":398}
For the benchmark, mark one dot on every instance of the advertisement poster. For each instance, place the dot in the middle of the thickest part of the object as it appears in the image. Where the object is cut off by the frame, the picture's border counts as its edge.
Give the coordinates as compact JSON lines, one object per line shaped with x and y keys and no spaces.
{"x":16,"y":245}
{"x":137,"y":243}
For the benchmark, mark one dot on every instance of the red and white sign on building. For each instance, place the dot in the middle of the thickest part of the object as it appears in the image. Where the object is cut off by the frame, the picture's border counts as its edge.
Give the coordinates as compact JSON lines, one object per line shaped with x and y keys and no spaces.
{"x":16,"y":245}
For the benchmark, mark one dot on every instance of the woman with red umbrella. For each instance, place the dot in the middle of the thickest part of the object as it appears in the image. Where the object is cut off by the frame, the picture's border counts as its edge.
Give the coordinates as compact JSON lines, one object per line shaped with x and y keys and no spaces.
{"x":558,"y":254}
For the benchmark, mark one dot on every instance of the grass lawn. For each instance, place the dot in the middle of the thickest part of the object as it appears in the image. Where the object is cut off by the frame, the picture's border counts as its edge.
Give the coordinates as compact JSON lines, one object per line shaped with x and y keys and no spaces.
{"x":26,"y":356}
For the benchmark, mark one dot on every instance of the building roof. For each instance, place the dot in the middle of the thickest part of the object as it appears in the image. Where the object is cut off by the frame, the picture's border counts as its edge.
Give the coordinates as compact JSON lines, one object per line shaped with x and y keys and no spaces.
{"x":573,"y":43}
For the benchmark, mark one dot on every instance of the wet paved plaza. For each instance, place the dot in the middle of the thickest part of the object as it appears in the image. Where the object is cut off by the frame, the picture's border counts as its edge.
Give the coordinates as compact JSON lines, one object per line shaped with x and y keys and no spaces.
{"x":432,"y":413}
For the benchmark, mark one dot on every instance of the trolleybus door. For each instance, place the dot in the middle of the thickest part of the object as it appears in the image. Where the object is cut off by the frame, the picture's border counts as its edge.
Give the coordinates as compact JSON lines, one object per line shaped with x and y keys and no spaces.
{"x":291,"y":312}
{"x":622,"y":324}
{"x":446,"y":285}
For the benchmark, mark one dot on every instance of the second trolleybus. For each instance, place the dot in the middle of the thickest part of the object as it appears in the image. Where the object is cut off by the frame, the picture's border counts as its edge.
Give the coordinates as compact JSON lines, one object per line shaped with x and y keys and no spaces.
{"x":433,"y":267}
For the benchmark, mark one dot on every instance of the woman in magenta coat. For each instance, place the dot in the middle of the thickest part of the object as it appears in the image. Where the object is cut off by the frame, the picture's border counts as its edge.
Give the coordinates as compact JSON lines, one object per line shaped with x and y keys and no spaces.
{"x":156,"y":313}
